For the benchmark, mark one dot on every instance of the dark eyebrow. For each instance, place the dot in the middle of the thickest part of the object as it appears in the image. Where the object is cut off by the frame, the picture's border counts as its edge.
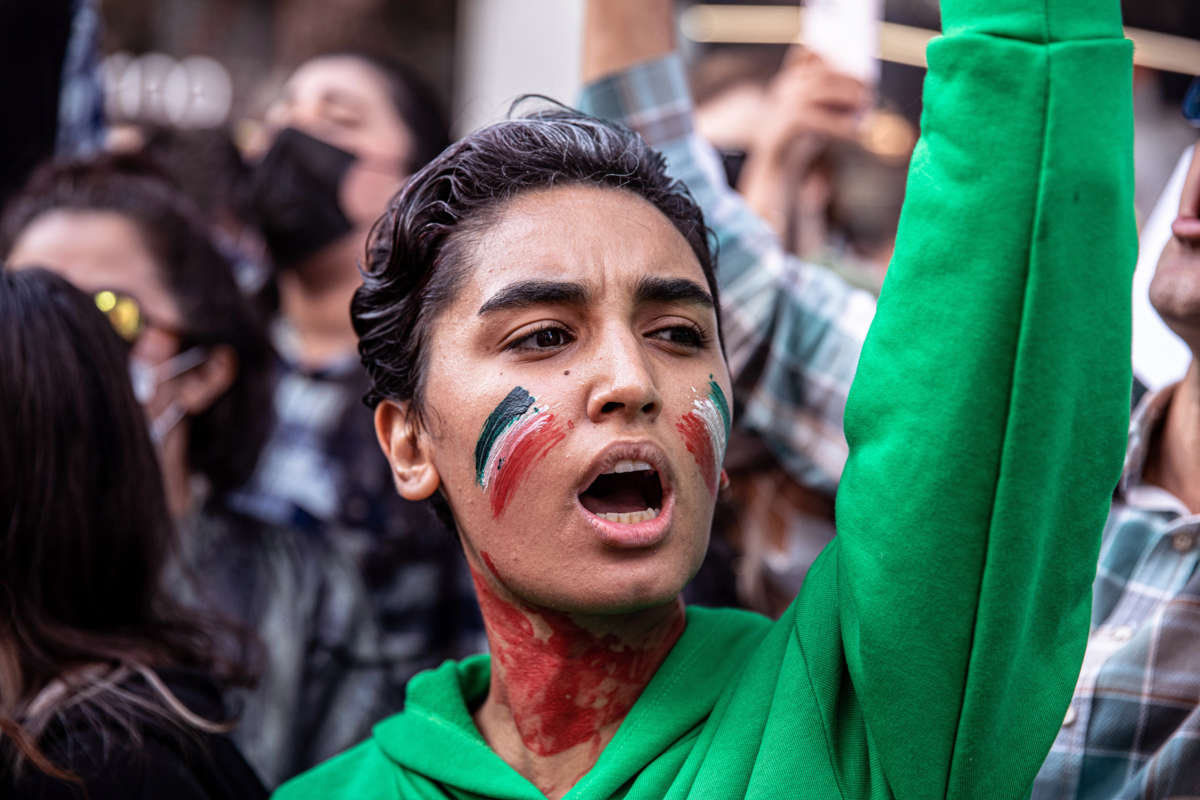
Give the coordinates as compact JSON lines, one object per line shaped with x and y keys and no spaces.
{"x":672,"y":290}
{"x":535,"y":293}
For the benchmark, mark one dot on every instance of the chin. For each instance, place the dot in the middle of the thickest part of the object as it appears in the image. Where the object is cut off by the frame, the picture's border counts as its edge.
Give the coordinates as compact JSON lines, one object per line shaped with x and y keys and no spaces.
{"x":627,"y":588}
{"x":1174,"y":290}
{"x":629,"y":602}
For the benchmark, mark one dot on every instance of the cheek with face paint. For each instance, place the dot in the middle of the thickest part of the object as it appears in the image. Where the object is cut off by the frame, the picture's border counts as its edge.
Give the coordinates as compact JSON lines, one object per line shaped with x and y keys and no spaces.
{"x":705,"y":431}
{"x":517,"y":435}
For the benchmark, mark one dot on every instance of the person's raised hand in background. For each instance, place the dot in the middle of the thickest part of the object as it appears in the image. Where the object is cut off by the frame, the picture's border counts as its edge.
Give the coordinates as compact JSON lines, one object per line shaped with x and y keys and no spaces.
{"x":808,"y":105}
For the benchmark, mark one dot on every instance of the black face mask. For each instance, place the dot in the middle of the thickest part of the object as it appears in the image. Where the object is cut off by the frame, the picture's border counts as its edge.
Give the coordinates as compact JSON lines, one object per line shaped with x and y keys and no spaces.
{"x":294,"y":196}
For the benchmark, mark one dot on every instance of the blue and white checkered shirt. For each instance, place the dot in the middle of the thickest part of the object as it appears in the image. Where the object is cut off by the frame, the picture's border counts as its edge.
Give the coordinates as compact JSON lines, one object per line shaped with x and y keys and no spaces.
{"x":1133,"y":727}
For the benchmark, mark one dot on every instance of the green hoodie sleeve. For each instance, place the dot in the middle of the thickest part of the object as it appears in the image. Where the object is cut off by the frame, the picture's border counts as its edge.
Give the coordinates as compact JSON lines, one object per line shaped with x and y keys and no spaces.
{"x":986,"y":423}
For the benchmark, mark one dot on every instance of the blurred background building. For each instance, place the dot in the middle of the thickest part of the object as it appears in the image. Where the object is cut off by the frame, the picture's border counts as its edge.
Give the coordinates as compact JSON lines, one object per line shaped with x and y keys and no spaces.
{"x":480,"y":54}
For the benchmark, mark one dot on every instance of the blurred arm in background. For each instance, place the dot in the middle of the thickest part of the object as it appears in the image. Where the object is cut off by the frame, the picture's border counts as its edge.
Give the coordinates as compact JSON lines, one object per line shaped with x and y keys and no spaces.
{"x":807,"y":105}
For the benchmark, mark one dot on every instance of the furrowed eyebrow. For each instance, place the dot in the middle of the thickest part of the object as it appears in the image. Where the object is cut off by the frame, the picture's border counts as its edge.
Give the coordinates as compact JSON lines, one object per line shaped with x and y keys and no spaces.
{"x":534,"y":293}
{"x":672,"y":290}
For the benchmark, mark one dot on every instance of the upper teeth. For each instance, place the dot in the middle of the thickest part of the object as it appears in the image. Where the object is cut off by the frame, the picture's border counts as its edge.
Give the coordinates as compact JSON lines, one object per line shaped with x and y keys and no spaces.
{"x":626,"y":465}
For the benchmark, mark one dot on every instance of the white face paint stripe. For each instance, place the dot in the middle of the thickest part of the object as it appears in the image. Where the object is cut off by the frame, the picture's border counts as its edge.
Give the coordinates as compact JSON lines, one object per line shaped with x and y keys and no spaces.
{"x":516,"y":430}
{"x":710,"y":414}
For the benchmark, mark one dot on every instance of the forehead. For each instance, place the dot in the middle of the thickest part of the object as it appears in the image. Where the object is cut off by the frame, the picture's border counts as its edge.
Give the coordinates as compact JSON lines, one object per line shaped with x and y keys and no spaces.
{"x":344,"y":77}
{"x":606,"y":239}
{"x":95,"y":250}
{"x":325,"y":92}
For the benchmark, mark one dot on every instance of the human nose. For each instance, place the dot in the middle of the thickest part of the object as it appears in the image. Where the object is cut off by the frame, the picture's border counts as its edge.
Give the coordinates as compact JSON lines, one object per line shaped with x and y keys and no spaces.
{"x":279,"y":115}
{"x":1187,"y":225}
{"x":293,"y":113}
{"x":623,"y":385}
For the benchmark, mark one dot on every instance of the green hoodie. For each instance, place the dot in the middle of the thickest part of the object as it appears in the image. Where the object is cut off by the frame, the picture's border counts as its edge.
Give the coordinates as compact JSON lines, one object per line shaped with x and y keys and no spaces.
{"x":935,"y":644}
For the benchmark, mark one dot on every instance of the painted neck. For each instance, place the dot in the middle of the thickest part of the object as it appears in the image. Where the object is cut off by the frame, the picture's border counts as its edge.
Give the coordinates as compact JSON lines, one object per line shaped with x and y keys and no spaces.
{"x":561,"y":684}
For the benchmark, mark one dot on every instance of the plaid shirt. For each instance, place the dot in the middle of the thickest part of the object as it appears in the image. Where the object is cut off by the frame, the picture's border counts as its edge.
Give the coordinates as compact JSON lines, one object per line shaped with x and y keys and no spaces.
{"x":1133,"y":727}
{"x":322,"y":471}
{"x":793,"y":330}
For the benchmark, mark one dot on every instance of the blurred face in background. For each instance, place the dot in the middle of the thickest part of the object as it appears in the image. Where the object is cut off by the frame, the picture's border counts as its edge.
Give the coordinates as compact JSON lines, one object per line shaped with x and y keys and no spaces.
{"x":346,"y":102}
{"x":105,"y":251}
{"x":97,"y":250}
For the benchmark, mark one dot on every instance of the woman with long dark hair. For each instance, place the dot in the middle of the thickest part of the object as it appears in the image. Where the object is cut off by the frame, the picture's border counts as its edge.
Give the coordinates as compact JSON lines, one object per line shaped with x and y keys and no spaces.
{"x":201,"y":367}
{"x":106,"y":685}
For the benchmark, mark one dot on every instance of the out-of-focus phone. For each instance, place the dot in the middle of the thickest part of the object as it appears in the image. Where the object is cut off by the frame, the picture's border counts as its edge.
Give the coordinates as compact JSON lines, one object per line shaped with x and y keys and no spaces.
{"x":845,"y":33}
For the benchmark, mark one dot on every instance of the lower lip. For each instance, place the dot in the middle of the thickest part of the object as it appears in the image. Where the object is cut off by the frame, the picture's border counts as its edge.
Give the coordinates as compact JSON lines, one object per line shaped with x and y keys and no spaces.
{"x":633,"y":535}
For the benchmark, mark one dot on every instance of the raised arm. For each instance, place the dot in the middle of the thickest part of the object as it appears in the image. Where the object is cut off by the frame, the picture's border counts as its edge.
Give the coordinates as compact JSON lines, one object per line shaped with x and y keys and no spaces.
{"x":793,"y":330}
{"x":987,"y":421}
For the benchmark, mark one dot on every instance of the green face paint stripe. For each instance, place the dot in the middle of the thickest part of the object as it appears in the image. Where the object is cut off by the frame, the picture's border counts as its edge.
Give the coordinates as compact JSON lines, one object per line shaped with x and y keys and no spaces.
{"x":515,"y":403}
{"x":718,"y":398}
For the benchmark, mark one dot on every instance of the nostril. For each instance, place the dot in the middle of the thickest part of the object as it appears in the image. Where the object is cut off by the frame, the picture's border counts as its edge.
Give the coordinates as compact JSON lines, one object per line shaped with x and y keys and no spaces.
{"x":613,"y":407}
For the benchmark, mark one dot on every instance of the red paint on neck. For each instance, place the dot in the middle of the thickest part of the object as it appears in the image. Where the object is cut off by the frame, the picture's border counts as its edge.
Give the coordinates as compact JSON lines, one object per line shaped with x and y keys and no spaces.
{"x":700,"y":445}
{"x":564,"y":685}
{"x":527,"y":447}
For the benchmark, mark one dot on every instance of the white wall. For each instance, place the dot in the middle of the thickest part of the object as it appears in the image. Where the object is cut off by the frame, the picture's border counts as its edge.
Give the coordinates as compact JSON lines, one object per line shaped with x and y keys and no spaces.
{"x":510,"y":47}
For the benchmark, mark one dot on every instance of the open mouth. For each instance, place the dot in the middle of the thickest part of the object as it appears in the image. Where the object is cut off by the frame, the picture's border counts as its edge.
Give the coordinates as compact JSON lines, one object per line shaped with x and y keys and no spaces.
{"x":631,"y":492}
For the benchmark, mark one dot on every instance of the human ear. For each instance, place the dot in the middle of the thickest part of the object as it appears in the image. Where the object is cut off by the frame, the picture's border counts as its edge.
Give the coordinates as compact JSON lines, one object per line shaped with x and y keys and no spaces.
{"x":201,"y":385}
{"x":408,"y":449}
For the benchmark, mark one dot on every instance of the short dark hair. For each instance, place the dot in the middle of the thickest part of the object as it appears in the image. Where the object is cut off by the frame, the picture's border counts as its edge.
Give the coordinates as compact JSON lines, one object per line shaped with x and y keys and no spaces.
{"x":204,"y":163}
{"x":227,"y":437}
{"x":86,"y":531}
{"x":414,"y":256}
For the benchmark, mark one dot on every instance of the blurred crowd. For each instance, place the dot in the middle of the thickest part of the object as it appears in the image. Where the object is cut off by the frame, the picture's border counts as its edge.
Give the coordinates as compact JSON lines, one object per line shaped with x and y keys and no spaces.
{"x":196,"y":511}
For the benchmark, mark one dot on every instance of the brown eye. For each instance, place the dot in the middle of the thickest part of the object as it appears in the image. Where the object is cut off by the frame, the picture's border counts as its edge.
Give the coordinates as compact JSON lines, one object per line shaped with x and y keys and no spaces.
{"x":681,"y":336}
{"x":550,"y":337}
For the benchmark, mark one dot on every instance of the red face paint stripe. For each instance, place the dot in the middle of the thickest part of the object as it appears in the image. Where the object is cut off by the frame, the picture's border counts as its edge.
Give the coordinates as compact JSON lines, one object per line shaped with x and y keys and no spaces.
{"x":527,"y":445}
{"x":700,"y":445}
